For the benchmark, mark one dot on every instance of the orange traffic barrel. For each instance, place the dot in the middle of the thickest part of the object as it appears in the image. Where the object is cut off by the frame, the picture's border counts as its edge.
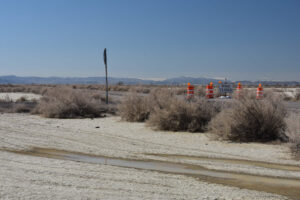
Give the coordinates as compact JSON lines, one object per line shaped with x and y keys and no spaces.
{"x":238,"y":90}
{"x":210,"y":91}
{"x":259,"y":92}
{"x":190,"y":91}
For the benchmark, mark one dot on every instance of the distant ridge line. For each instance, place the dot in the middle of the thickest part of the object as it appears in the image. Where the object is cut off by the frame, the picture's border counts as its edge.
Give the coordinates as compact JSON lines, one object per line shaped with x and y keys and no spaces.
{"x":128,"y":81}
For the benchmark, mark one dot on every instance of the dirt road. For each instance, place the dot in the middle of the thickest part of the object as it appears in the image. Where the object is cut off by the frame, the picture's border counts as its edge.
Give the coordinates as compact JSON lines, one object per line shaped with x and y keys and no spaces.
{"x":110,"y":159}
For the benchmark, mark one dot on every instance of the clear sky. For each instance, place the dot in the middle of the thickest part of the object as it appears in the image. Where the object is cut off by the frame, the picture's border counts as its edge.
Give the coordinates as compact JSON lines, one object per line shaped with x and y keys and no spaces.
{"x":238,"y":39}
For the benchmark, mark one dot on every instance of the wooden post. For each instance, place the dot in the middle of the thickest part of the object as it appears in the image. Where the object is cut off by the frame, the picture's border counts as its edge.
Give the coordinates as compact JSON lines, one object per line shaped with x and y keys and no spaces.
{"x":105,"y":63}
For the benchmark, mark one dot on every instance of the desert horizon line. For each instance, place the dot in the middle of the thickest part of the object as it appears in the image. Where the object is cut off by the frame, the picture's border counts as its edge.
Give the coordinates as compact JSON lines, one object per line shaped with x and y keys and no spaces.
{"x":156,"y":79}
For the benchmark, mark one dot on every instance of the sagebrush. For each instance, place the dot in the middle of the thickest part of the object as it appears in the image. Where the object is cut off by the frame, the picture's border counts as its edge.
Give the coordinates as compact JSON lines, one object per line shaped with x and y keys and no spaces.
{"x":64,"y":102}
{"x":164,"y":110}
{"x":251,"y":120}
{"x":183,"y":115}
{"x":134,"y":108}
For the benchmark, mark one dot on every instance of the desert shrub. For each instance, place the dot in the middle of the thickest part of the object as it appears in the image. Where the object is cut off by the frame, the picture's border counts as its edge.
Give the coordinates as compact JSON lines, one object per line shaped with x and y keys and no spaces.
{"x":137,"y":107}
{"x":65,"y":102}
{"x":269,"y":94}
{"x":251,"y":120}
{"x":166,"y":111}
{"x":134,"y":108}
{"x":160,"y":98}
{"x":220,"y":125}
{"x":200,"y":91}
{"x":182,"y":115}
{"x":180,"y":90}
{"x":250,"y":93}
{"x":293,"y":132}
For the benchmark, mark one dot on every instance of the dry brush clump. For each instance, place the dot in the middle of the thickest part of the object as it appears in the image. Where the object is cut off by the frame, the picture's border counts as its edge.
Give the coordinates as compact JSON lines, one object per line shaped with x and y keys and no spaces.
{"x":180,"y":90}
{"x":65,"y":102}
{"x":252,"y":120}
{"x":163,"y":110}
{"x":160,"y":98}
{"x":200,"y":91}
{"x":134,"y":108}
{"x":183,"y":115}
{"x":293,"y":132}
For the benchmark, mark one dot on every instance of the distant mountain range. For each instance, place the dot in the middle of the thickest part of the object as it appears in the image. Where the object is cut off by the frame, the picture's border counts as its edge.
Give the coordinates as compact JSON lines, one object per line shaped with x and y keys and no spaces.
{"x":127,"y":81}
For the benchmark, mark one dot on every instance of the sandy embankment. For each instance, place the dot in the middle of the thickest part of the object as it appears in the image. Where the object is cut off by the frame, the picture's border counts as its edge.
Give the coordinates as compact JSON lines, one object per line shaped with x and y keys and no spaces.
{"x":25,"y":176}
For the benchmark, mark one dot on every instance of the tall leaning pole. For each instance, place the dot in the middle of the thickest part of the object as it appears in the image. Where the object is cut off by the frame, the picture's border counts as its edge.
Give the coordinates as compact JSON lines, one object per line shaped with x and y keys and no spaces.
{"x":106,"y":80}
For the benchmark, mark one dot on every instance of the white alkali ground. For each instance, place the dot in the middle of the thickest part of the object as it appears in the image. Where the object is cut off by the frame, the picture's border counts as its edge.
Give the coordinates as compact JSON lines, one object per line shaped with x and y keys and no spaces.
{"x":16,"y":96}
{"x":29,"y":177}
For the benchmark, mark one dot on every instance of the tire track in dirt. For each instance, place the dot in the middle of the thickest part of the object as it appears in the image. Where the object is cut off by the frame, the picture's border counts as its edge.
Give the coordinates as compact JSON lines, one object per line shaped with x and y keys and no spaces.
{"x":283,"y":186}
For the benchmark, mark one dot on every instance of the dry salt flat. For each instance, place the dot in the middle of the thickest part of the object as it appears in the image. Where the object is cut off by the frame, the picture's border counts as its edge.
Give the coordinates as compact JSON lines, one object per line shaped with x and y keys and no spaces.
{"x":16,"y":96}
{"x":40,"y":177}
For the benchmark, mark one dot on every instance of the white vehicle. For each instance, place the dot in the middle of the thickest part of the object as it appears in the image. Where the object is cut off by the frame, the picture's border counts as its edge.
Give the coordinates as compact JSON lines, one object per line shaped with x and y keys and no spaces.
{"x":225,"y":97}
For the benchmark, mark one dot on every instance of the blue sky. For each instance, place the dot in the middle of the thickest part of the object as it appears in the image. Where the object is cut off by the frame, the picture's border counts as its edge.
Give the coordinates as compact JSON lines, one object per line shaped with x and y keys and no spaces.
{"x":238,"y":39}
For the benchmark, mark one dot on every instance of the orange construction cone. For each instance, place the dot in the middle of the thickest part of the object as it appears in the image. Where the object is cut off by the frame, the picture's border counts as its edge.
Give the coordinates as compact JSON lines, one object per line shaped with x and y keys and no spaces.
{"x":210,"y":91}
{"x":190,"y":91}
{"x":238,"y":90}
{"x":259,"y":92}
